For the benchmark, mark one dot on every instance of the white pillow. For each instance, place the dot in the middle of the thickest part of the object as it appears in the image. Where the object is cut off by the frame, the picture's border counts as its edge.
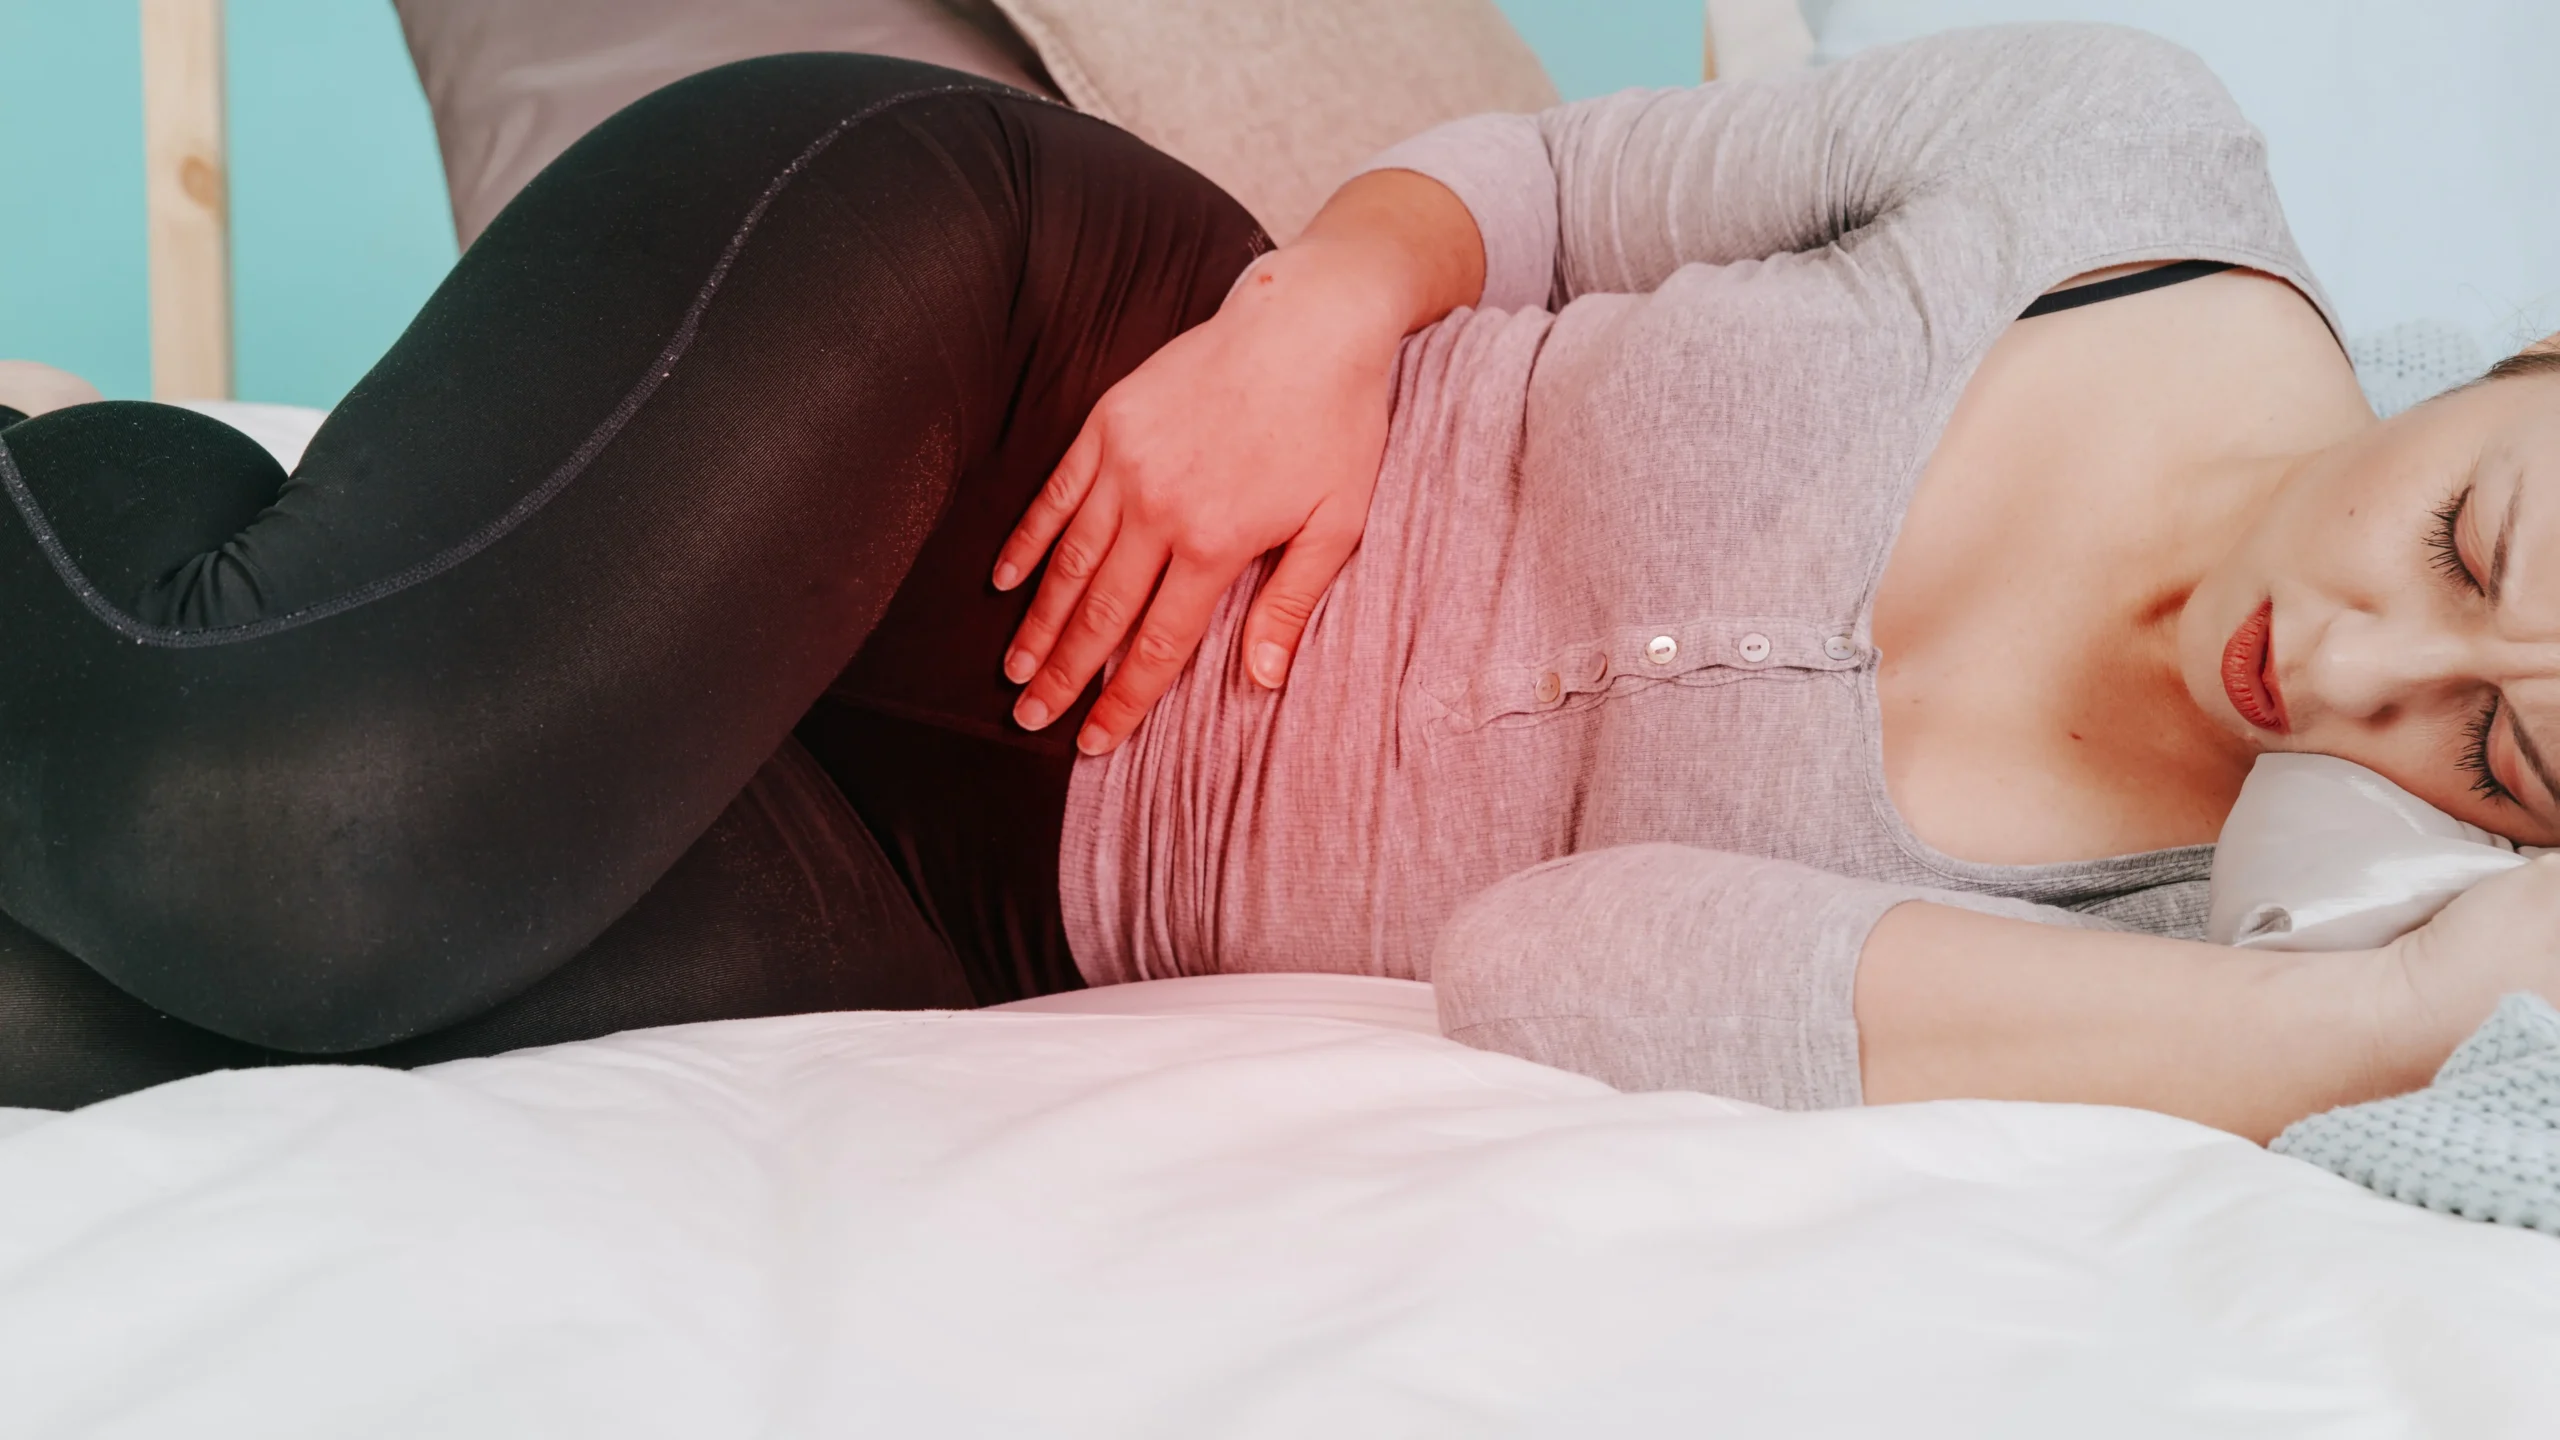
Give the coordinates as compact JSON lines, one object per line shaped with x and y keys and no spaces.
{"x":2322,"y":854}
{"x":2416,"y":143}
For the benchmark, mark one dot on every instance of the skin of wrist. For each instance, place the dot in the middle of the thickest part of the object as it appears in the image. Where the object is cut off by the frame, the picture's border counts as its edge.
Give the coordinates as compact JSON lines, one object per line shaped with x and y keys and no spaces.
{"x":1355,"y":283}
{"x":2410,"y":1028}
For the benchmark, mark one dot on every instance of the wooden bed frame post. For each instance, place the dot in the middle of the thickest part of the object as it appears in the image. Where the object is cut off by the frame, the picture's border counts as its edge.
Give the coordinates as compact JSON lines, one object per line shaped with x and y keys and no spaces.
{"x":186,"y":188}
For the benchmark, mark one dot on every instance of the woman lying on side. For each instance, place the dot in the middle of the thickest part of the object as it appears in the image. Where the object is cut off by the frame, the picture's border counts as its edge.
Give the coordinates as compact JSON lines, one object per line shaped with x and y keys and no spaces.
{"x":1655,"y":568}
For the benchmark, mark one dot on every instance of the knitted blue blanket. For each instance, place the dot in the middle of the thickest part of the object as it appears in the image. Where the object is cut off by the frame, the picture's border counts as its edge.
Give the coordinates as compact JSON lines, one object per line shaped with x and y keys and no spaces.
{"x":2482,"y":1142}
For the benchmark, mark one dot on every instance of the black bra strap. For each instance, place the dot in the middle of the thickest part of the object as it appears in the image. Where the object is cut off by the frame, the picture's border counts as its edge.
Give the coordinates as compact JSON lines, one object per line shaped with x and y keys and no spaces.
{"x":2122,"y":285}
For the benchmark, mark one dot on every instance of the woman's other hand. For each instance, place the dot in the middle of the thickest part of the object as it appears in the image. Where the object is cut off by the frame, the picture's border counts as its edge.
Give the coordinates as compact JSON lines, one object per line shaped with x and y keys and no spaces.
{"x":1262,"y":428}
{"x":2441,"y":980}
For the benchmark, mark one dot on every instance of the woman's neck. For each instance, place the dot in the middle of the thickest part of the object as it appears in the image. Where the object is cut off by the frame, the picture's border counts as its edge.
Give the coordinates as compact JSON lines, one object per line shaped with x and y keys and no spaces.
{"x":2099,"y":466}
{"x":2171,"y":540}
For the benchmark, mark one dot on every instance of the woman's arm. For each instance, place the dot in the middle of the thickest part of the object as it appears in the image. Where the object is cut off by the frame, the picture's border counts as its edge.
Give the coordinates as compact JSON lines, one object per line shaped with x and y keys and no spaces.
{"x":1262,"y":428}
{"x":1616,"y":193}
{"x":1956,"y":1004}
{"x":1953,"y":1004}
{"x":1664,"y":967}
{"x":1400,"y":245}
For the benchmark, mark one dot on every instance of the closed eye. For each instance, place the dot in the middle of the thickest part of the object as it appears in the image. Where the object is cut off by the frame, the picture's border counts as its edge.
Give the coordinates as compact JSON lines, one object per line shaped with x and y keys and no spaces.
{"x":2475,"y":755}
{"x":2445,"y":546}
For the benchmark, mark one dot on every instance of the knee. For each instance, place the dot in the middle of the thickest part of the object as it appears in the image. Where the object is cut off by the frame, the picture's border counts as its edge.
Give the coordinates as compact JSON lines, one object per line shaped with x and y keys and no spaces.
{"x":278,"y":899}
{"x":127,"y":493}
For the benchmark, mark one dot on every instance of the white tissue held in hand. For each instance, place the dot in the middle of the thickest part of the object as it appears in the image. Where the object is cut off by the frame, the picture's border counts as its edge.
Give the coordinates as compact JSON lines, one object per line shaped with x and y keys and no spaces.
{"x":2322,"y":854}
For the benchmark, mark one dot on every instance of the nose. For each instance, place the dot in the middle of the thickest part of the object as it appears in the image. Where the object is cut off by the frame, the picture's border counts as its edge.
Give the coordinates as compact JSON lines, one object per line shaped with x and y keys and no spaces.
{"x":2365,"y":666}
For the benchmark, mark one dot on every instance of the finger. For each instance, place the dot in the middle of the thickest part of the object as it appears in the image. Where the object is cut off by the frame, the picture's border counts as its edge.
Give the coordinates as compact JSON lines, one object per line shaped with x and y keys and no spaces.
{"x":1278,"y":619}
{"x":1058,"y":501}
{"x":1072,"y":566}
{"x":1175,"y":622}
{"x":1110,"y":608}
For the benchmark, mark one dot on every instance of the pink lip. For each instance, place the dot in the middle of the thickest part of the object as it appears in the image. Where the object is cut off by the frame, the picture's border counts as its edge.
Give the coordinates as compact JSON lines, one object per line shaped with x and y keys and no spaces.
{"x":2249,"y":671}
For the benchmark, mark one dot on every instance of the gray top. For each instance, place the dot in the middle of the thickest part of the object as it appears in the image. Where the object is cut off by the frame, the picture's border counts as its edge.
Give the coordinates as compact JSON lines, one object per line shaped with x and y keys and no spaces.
{"x":1587,"y":731}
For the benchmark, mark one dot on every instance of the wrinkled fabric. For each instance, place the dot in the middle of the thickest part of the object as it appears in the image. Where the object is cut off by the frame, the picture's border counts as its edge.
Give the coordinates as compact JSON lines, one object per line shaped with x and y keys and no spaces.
{"x":1214,"y":1226}
{"x":1618,"y":576}
{"x":2482,"y":1141}
{"x":331,"y":762}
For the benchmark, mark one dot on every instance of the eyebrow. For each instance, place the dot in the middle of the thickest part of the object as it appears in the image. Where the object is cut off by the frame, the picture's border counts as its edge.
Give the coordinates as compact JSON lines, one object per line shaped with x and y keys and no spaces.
{"x":2506,"y":543}
{"x":2532,"y":754}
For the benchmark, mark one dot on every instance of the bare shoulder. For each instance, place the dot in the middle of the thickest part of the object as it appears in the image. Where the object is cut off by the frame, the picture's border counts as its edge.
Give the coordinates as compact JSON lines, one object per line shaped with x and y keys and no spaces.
{"x":2238,"y":354}
{"x":2049,"y":473}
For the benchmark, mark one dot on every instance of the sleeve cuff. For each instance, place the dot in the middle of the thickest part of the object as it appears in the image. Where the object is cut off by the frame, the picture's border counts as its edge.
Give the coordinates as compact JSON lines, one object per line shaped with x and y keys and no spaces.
{"x":1498,"y":167}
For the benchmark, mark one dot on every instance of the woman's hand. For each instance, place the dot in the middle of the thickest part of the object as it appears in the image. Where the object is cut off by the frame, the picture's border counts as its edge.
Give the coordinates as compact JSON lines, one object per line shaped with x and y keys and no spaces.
{"x":2443,"y":978}
{"x":1262,"y":428}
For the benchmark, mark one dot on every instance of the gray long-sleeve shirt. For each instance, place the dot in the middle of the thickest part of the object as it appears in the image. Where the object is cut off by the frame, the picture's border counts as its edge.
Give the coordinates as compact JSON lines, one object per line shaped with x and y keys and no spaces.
{"x":1587,"y":731}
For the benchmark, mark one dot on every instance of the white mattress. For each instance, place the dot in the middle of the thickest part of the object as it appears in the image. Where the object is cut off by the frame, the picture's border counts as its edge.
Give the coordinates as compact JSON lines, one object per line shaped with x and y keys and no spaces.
{"x":1204,"y":1225}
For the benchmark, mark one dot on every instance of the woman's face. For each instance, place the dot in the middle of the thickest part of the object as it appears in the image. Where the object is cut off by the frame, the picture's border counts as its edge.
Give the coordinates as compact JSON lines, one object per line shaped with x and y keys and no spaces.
{"x":2398,"y":604}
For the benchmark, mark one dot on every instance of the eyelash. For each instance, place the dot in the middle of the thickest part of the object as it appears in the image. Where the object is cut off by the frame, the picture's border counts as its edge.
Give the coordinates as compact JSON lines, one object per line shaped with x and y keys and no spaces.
{"x":2448,"y":553}
{"x":2475,"y":754}
{"x":2448,"y":561}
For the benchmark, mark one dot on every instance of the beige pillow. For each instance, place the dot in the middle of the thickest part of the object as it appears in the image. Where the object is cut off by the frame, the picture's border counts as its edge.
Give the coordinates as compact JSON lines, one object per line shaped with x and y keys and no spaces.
{"x":1747,"y":38}
{"x":1281,"y":100}
{"x":1277,"y":100}
{"x":32,"y":388}
{"x":515,"y":82}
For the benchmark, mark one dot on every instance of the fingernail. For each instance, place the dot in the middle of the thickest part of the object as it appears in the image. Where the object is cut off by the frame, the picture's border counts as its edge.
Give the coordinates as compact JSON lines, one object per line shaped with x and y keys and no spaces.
{"x":1093,"y":741}
{"x":1031,"y":714}
{"x":1270,"y":662}
{"x":1018,"y":666}
{"x":1007,"y":575}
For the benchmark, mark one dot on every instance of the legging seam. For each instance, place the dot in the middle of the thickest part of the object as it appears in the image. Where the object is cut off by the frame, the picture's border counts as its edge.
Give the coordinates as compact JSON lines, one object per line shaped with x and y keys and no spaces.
{"x":142,"y":632}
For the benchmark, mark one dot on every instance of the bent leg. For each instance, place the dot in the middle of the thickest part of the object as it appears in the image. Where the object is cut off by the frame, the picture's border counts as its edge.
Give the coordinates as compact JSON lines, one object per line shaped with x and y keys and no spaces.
{"x":786,"y":906}
{"x":331,"y":762}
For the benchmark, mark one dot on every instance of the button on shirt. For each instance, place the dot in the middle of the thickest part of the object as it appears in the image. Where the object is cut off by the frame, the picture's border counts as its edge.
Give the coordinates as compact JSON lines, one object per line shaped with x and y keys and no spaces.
{"x":1586,"y":732}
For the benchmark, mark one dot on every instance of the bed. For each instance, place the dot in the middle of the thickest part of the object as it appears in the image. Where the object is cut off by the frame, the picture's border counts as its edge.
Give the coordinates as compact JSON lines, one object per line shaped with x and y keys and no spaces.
{"x":1232,"y":1206}
{"x":1259,"y":1206}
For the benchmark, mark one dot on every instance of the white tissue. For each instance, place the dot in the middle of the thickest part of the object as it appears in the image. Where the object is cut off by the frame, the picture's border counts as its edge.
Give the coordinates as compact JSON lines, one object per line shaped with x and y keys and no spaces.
{"x":2322,"y":854}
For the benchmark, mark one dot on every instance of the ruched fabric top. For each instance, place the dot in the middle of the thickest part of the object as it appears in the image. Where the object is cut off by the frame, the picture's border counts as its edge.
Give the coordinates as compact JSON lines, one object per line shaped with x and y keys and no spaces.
{"x":1596,"y":699}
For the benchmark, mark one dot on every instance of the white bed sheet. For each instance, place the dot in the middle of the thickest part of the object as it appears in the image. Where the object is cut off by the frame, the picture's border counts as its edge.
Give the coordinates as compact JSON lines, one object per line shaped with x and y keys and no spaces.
{"x":1040,"y":1224}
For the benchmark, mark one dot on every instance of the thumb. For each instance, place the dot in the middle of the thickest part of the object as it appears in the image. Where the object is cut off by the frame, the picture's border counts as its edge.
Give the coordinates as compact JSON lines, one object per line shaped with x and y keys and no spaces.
{"x":1278,"y":619}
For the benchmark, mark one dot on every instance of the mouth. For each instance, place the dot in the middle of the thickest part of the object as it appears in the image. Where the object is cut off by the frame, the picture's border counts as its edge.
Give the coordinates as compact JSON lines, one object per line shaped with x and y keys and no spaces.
{"x":2249,"y":674}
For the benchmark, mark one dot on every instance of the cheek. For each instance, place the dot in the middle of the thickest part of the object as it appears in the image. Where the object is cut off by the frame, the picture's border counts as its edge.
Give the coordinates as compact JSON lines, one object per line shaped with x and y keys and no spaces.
{"x":2345,"y":537}
{"x":2420,"y":757}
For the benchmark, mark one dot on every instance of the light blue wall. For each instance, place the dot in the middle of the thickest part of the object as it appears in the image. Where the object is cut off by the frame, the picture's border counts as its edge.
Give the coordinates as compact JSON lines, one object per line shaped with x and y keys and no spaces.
{"x":1592,"y":47}
{"x":339,"y":227}
{"x":71,"y":244}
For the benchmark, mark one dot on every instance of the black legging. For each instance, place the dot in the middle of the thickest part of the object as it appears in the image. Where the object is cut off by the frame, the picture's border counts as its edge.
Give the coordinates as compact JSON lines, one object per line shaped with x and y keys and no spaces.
{"x":477,"y":732}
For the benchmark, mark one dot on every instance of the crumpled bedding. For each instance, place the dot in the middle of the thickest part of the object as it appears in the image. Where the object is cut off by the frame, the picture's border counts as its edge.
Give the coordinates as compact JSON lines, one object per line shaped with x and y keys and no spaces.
{"x":1061,"y":1224}
{"x":2482,"y":1142}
